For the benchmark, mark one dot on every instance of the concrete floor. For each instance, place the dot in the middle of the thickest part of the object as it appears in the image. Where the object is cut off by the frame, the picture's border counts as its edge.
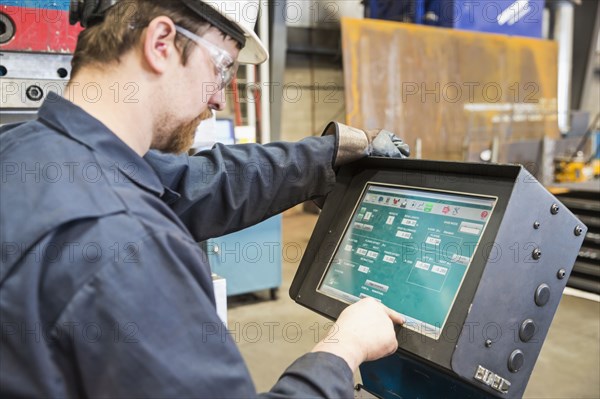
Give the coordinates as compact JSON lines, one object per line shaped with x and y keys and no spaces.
{"x":272,"y":334}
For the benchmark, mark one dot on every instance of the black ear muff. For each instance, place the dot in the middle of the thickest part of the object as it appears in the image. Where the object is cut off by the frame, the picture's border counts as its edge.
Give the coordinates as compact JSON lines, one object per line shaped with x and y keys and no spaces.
{"x":76,"y":11}
{"x":88,"y":12}
{"x":74,"y":14}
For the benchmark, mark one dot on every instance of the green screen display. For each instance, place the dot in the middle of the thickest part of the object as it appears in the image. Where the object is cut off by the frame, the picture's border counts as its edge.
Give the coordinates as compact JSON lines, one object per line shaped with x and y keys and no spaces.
{"x":410,"y":249}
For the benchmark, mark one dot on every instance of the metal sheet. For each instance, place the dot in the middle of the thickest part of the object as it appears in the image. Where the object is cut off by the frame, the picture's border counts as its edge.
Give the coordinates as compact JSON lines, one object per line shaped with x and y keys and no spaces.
{"x":447,"y":86}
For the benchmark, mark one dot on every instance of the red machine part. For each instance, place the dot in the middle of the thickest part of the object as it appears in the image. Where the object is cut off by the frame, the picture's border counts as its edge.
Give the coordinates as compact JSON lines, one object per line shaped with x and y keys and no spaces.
{"x":33,"y":29}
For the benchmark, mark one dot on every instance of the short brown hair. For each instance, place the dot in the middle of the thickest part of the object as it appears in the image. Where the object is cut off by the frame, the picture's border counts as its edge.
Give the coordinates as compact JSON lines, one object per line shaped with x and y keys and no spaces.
{"x":122,"y":27}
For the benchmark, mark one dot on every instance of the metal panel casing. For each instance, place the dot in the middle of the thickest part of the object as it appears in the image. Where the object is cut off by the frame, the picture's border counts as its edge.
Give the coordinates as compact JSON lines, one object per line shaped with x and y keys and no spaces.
{"x":497,"y":314}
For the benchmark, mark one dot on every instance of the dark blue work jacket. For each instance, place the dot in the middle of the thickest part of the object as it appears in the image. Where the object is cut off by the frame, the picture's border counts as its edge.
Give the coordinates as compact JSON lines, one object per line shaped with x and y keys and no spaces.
{"x":104,"y":291}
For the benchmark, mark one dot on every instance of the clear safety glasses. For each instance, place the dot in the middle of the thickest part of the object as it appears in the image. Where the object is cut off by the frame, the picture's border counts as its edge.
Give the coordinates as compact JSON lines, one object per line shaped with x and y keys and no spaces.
{"x":224,"y":62}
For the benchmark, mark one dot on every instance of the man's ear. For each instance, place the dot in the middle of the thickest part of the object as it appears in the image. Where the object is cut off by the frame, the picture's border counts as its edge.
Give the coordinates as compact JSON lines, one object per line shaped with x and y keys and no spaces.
{"x":158,"y":41}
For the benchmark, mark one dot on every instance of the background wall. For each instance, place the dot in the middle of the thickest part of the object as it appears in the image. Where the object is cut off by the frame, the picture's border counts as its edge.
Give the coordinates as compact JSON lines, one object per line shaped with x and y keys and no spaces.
{"x":314,"y":96}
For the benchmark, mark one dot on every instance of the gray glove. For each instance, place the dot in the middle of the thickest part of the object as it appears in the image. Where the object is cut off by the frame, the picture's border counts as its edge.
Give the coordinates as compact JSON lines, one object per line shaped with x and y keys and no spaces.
{"x":387,"y":144}
{"x":355,"y":144}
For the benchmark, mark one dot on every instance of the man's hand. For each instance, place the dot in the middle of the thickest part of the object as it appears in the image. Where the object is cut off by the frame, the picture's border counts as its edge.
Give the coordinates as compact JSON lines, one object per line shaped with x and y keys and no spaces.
{"x":355,"y":144}
{"x":383,"y":143}
{"x":363,"y":332}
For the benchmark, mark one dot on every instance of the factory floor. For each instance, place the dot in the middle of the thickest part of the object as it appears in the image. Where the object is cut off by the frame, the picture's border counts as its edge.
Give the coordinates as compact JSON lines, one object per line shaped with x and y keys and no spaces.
{"x":272,"y":334}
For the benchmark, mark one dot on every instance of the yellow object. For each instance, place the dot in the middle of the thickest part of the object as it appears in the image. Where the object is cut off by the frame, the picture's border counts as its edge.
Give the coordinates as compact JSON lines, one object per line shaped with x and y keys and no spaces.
{"x":574,"y":171}
{"x":596,"y":167}
{"x":558,"y":190}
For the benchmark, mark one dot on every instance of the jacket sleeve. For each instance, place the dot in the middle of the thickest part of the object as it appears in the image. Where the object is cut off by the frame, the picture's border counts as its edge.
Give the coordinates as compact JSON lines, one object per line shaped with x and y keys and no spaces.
{"x":154,"y":332}
{"x":315,"y":375}
{"x":229,"y":188}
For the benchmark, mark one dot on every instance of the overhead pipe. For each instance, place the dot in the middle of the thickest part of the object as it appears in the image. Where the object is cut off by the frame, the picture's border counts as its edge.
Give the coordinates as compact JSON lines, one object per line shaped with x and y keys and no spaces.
{"x":562,"y":31}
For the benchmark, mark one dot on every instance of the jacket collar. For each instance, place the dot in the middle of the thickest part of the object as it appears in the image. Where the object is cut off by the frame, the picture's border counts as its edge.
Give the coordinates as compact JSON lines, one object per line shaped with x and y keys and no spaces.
{"x":74,"y":122}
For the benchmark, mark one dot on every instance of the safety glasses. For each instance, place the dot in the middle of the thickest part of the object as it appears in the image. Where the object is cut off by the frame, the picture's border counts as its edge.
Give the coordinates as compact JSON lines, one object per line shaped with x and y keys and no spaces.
{"x":224,"y":62}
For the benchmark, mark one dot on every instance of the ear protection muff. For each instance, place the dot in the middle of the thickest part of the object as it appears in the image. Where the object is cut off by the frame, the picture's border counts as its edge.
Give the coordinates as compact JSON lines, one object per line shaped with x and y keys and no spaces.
{"x":88,"y":12}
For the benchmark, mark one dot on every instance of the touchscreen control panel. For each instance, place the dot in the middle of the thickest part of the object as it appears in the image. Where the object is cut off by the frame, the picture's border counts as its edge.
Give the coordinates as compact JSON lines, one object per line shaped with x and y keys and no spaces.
{"x":409,"y":249}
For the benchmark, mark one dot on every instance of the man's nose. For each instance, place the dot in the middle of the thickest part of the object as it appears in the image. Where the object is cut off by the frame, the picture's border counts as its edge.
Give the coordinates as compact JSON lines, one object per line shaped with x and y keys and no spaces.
{"x":217,"y":101}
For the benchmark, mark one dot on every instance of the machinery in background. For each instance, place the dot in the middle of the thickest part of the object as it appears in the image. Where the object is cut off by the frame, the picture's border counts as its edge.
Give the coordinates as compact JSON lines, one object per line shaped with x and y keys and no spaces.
{"x":578,"y":187}
{"x":36,"y":43}
{"x":581,"y":166}
{"x":582,"y":200}
{"x":575,"y":170}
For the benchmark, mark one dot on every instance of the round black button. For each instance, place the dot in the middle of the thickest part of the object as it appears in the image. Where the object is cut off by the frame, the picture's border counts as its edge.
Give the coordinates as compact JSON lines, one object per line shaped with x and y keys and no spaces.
{"x":515,"y":360}
{"x":527,"y":330}
{"x":542,"y":295}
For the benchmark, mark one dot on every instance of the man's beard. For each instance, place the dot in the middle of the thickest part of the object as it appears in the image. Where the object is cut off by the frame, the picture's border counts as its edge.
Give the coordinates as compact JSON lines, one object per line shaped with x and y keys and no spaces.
{"x":181,"y":138}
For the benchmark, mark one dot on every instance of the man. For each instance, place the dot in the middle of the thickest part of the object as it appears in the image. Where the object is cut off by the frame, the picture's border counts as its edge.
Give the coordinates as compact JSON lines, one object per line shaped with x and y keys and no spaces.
{"x":104,"y":291}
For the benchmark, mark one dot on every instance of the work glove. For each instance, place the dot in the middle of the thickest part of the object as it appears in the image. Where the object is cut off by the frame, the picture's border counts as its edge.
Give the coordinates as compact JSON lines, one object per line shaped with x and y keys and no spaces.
{"x":354,"y":144}
{"x":387,"y":144}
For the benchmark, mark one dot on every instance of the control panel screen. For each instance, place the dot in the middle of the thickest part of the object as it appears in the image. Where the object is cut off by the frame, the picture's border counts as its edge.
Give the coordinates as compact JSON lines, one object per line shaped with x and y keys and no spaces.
{"x":409,"y":249}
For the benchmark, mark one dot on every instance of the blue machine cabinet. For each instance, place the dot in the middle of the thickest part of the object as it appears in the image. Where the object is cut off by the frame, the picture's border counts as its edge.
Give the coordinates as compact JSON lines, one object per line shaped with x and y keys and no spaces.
{"x":509,"y":17}
{"x":250,"y":259}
